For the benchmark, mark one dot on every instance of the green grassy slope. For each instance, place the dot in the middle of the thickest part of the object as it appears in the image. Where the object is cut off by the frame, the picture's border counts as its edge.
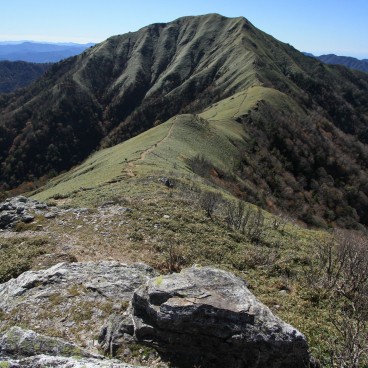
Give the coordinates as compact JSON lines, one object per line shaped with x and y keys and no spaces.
{"x":242,"y":102}
{"x":168,"y":147}
{"x":217,"y":135}
{"x":265,"y":147}
{"x":105,"y":165}
{"x":118,"y":89}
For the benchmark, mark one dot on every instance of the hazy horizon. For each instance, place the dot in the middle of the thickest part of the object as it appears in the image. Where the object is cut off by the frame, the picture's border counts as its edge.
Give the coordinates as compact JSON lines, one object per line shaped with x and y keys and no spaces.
{"x":9,"y":42}
{"x":328,"y":27}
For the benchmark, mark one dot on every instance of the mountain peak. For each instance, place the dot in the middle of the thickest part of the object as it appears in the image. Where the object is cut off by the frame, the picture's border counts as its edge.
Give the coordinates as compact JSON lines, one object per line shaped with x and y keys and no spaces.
{"x":129,"y":83}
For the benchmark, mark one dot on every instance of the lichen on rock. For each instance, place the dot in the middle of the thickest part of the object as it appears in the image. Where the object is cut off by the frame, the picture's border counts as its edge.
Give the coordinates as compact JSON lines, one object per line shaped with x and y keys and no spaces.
{"x":70,"y":300}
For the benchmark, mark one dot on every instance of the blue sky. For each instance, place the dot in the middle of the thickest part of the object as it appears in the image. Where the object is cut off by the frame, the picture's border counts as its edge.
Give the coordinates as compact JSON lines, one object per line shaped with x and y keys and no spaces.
{"x":317,"y":26}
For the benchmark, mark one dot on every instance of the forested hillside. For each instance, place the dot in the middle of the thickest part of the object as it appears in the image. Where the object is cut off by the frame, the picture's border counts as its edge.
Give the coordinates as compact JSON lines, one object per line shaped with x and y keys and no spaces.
{"x":19,"y":74}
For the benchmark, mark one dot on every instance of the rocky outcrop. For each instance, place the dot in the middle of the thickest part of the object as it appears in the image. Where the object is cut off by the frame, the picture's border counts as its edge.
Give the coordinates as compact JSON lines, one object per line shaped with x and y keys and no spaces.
{"x":23,"y":209}
{"x":72,"y":300}
{"x":208,"y":317}
{"x":199,"y":317}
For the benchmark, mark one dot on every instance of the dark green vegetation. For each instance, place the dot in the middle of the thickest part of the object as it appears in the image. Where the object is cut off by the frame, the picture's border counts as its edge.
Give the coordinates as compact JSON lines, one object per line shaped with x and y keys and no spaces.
{"x":350,"y":62}
{"x":304,"y":146}
{"x":18,"y":74}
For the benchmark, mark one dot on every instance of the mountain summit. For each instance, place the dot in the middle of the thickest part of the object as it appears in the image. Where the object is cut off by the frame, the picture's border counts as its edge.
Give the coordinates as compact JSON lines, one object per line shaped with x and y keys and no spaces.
{"x":120,"y":87}
{"x":305,"y":124}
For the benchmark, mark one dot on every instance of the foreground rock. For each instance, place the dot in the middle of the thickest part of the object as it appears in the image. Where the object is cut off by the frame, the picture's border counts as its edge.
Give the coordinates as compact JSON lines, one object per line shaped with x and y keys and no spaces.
{"x":70,"y":300}
{"x":200,"y":317}
{"x":208,"y":317}
{"x":26,"y":348}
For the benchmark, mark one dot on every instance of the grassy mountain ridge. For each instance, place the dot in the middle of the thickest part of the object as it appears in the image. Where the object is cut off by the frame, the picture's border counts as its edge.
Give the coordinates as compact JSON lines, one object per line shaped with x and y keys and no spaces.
{"x":288,"y":162}
{"x":305,"y":125}
{"x":120,"y":102}
{"x":215,"y":134}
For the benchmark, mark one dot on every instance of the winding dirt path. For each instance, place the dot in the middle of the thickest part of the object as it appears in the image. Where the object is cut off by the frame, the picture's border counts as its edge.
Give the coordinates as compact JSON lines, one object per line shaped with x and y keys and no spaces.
{"x":241,"y":104}
{"x":131,"y":164}
{"x":129,"y":169}
{"x":149,"y":150}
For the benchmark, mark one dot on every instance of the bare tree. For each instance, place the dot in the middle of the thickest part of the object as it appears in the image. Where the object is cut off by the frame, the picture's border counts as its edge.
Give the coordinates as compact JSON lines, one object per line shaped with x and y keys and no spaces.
{"x":256,"y":225}
{"x":340,"y":272}
{"x":209,"y":201}
{"x":351,"y":349}
{"x":242,"y":217}
{"x":237,"y":215}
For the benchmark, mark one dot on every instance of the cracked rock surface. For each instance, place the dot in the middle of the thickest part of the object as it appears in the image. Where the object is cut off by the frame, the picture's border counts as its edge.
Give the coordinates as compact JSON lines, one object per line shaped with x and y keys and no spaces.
{"x":70,"y":300}
{"x":20,"y":343}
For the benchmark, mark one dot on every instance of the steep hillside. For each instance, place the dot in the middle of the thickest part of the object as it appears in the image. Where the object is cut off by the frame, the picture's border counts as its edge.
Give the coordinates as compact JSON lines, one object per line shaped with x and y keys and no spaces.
{"x":18,"y":74}
{"x":216,"y":135}
{"x":304,"y":124}
{"x":120,"y":88}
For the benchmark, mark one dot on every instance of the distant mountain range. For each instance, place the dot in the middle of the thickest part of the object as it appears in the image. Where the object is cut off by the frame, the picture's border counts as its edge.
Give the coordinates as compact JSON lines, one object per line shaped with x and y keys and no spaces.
{"x":347,"y":61}
{"x":35,"y":52}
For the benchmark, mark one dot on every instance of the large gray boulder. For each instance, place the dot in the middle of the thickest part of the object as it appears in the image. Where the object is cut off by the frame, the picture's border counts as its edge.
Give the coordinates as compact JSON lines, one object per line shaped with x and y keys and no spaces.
{"x":208,"y":317}
{"x":202,"y":316}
